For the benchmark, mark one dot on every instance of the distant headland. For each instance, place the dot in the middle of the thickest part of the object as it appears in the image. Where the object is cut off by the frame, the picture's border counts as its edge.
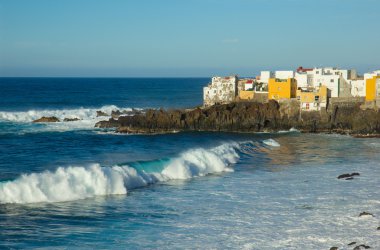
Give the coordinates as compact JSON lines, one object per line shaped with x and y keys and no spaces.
{"x":314,"y":100}
{"x":328,"y":100}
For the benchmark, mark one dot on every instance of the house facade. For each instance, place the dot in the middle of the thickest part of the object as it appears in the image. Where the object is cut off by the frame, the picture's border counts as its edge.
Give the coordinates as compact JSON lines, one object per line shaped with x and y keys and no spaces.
{"x":221,"y":90}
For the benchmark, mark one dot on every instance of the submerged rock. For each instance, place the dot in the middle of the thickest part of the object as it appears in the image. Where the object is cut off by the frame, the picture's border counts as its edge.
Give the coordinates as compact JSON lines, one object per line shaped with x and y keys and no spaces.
{"x":71,"y":119}
{"x":47,"y":119}
{"x":348,"y":176}
{"x":366,"y":214}
{"x":352,"y":243}
{"x":362,"y":246}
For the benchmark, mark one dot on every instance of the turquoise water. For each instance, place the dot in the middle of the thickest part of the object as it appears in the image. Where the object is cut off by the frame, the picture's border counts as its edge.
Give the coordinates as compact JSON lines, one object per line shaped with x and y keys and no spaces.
{"x":68,"y":185}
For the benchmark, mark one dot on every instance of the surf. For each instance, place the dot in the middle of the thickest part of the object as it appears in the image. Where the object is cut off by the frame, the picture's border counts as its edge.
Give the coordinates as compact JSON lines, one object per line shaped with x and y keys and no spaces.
{"x":81,"y":182}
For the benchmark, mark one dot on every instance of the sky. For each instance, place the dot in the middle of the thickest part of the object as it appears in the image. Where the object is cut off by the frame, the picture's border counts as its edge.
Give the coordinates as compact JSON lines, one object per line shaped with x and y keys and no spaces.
{"x":185,"y":38}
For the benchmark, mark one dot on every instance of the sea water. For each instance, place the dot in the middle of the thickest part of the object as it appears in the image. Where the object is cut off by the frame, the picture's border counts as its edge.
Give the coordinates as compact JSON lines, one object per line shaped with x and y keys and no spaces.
{"x":70,"y":185}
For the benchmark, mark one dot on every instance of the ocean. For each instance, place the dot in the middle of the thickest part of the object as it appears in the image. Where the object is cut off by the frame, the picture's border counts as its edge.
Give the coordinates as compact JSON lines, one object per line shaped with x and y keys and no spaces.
{"x":68,"y":185}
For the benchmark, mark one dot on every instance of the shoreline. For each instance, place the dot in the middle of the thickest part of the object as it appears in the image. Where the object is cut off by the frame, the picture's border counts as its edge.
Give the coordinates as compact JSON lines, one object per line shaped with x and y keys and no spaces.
{"x":250,"y":117}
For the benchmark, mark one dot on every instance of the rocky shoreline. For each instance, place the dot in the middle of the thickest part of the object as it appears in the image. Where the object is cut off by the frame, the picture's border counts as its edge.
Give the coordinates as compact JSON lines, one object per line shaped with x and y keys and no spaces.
{"x":250,"y":117}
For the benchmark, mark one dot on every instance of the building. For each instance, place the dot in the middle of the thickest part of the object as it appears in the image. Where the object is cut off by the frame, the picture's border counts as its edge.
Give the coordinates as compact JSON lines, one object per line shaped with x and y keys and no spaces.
{"x":372,"y":88}
{"x":221,"y":90}
{"x":282,"y":89}
{"x":265,"y":76}
{"x":246,"y":84}
{"x":358,"y":88}
{"x":312,"y":100}
{"x":358,"y":85}
{"x":304,"y":78}
{"x":284,"y":74}
{"x":337,"y":80}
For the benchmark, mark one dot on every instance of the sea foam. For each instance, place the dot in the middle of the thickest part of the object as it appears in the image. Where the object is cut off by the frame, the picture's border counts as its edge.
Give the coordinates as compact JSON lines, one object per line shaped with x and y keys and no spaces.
{"x":272,"y":143}
{"x":79,"y":182}
{"x":87,"y":118}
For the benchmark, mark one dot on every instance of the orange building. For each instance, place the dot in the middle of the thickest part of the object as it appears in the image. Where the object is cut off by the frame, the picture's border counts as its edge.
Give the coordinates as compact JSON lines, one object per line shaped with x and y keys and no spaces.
{"x":313,"y":100}
{"x":282,"y":89}
{"x":372,"y":88}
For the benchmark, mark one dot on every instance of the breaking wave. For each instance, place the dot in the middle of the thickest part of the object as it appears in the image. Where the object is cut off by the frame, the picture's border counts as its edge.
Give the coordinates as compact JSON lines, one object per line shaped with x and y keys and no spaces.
{"x":87,"y":117}
{"x":79,"y":182}
{"x":272,"y":143}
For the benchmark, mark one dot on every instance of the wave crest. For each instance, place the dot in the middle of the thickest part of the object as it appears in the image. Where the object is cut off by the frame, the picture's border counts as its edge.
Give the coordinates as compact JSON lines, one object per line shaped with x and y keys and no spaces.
{"x":74,"y":183}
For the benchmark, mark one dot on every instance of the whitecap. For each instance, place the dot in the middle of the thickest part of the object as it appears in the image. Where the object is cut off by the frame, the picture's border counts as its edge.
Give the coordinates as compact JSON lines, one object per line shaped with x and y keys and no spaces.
{"x":271,"y":142}
{"x":81,"y":182}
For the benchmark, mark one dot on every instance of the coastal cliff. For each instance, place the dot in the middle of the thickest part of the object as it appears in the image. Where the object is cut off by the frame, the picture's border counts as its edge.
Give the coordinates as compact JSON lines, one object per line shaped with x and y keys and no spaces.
{"x":250,"y":117}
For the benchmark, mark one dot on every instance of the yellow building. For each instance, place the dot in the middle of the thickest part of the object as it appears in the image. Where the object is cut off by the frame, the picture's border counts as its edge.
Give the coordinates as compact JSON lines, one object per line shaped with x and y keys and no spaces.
{"x":246,"y":94}
{"x":313,"y":100}
{"x":282,"y":89}
{"x":372,"y":88}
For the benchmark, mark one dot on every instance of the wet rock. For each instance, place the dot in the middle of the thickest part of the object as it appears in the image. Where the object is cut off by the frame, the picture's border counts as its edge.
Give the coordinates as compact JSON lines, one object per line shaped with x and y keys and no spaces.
{"x":348,"y":176}
{"x":101,"y":113}
{"x":378,"y":228}
{"x":333,"y":248}
{"x":251,"y":117}
{"x":71,"y":119}
{"x":362,"y":246}
{"x":366,"y":214}
{"x":352,"y":243}
{"x":115,"y":114}
{"x":47,"y":119}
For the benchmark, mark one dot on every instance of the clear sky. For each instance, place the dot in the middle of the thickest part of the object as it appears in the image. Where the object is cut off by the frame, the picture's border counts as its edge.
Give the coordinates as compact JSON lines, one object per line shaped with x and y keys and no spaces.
{"x":185,"y":37}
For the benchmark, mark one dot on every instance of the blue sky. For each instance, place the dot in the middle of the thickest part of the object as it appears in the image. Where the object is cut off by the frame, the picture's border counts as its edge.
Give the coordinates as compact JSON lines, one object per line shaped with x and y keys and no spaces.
{"x":185,"y":37}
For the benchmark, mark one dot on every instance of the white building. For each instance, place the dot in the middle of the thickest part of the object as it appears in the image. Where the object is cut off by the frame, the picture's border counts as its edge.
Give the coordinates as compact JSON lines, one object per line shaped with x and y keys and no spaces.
{"x":304,"y":78}
{"x":358,"y":87}
{"x":265,"y":75}
{"x":221,"y":90}
{"x":337,"y":80}
{"x":369,"y":75}
{"x":284,"y":74}
{"x":248,"y":85}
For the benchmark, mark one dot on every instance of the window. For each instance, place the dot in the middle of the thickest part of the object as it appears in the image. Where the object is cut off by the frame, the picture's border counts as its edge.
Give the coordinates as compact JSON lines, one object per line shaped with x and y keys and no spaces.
{"x":316,"y":98}
{"x":298,"y":98}
{"x":332,"y":80}
{"x":317,"y":72}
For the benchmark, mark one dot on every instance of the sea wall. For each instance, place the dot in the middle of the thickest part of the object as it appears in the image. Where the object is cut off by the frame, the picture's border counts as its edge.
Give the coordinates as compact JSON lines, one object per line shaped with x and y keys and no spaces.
{"x":251,"y":117}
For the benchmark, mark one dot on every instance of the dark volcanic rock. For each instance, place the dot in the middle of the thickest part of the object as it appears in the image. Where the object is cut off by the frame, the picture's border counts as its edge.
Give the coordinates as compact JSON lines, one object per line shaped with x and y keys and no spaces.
{"x":365,"y":213}
{"x":333,"y":248}
{"x":362,"y":246}
{"x":47,"y":119}
{"x":249,"y":117}
{"x":71,"y":119}
{"x":101,"y":113}
{"x":348,"y":176}
{"x":352,"y":243}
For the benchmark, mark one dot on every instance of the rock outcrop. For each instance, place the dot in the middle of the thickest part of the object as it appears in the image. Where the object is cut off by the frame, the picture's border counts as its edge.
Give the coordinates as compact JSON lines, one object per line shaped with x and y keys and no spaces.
{"x":47,"y":119}
{"x":249,"y":117}
{"x":71,"y":119}
{"x":101,"y":113}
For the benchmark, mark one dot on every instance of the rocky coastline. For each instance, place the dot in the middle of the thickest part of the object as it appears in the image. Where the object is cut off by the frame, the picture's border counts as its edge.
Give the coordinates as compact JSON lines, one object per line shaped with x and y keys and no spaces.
{"x":250,"y":117}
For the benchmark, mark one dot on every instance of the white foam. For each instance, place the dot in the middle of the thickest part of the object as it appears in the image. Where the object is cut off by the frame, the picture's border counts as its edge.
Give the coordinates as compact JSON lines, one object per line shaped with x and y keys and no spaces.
{"x":73,"y":183}
{"x":271,"y":142}
{"x":293,"y":130}
{"x":87,"y":118}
